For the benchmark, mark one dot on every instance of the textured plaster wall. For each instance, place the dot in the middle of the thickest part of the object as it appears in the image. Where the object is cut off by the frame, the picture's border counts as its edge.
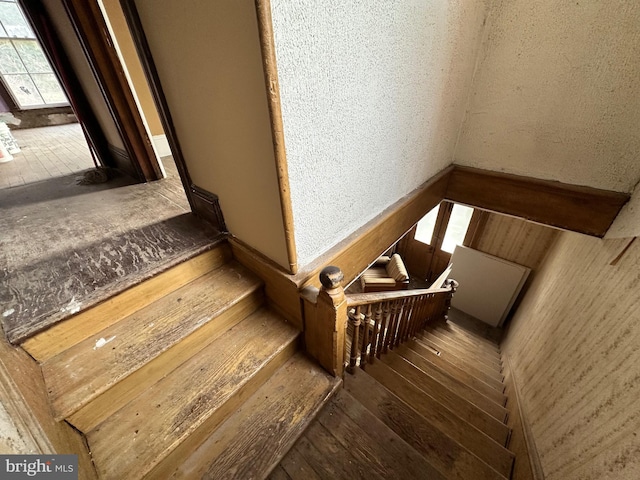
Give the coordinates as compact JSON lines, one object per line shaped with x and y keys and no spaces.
{"x":373,"y":94}
{"x":210,"y":66}
{"x":557,"y":93}
{"x":574,"y":345}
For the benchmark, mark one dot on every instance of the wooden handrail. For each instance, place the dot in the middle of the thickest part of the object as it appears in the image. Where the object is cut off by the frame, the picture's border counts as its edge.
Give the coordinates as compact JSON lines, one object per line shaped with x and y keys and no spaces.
{"x":379,"y":321}
{"x":355,"y":299}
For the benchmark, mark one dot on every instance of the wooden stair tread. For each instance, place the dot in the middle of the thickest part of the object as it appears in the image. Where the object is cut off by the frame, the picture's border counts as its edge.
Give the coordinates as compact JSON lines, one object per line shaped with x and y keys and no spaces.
{"x":475,"y":368}
{"x":444,"y":418}
{"x":482,"y":385}
{"x":492,"y":403}
{"x":251,"y":442}
{"x":458,"y":336}
{"x":440,"y":450}
{"x":195,"y":395}
{"x":488,"y":363}
{"x":466,"y":410}
{"x":453,"y":326}
{"x":64,"y":335}
{"x":362,"y":433}
{"x":460,"y":342}
{"x":82,"y":372}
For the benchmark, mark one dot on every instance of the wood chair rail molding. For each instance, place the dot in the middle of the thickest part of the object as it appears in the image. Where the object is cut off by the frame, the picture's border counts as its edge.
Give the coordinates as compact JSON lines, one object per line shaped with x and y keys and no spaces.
{"x":570,"y":207}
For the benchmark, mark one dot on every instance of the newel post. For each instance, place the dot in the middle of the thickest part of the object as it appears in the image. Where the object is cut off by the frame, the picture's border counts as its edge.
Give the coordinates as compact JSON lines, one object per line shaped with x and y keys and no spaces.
{"x":325,"y":338}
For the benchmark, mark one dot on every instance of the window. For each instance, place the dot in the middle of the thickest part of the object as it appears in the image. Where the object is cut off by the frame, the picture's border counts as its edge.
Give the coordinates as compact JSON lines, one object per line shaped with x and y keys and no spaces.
{"x":457,"y":227}
{"x":24,"y":68}
{"x":426,"y":225}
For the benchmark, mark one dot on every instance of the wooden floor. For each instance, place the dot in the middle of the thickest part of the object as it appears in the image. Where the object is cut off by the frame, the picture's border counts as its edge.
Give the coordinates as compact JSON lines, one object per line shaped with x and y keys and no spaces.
{"x":434,"y":408}
{"x":46,"y":152}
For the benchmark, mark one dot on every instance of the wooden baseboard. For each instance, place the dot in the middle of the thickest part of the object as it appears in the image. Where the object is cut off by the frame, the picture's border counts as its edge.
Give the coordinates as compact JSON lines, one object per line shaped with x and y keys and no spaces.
{"x":570,"y":207}
{"x":282,"y":292}
{"x":207,"y":206}
{"x":522,"y":440}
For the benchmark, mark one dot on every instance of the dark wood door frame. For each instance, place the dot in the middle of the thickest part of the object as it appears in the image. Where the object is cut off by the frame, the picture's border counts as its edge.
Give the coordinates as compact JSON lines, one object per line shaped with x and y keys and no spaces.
{"x":58,"y":59}
{"x":93,"y":34}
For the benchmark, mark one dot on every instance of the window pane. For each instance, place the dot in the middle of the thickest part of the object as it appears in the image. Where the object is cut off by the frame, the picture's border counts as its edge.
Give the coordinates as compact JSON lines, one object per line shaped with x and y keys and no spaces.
{"x":424,"y":231}
{"x":23,"y":90}
{"x":49,"y":88}
{"x":32,"y":56}
{"x":13,"y":21}
{"x":9,"y":60}
{"x":457,"y":228}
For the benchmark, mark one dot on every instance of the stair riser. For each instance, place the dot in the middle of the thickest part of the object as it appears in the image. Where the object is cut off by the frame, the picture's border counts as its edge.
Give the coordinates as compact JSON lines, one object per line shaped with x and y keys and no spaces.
{"x":493,"y":403}
{"x":472,"y":367}
{"x":487,"y":388}
{"x":165,"y":465}
{"x":474,"y":440}
{"x":64,"y":335}
{"x":488,"y":365}
{"x":488,"y":350}
{"x":466,"y":410}
{"x":109,"y":402}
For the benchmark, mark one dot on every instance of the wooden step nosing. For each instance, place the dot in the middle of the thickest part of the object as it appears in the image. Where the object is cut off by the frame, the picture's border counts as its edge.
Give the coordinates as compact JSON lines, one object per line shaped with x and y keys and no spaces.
{"x":61,"y":414}
{"x":457,"y":360}
{"x":473,"y":439}
{"x":215,"y":416}
{"x":85,"y":425}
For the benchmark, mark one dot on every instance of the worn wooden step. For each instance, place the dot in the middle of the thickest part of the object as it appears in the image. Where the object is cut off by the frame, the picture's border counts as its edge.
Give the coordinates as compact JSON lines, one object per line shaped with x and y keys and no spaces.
{"x":483,"y":399}
{"x":444,"y":418}
{"x":466,"y":410}
{"x":364,"y":435}
{"x":472,"y":367}
{"x":179,"y":412}
{"x":78,"y":375}
{"x":110,"y":401}
{"x":87,"y":323}
{"x":481,"y":384}
{"x":470,"y":333}
{"x":251,"y":442}
{"x":440,"y":450}
{"x":490,"y":364}
{"x":467,"y":336}
{"x":464,"y":343}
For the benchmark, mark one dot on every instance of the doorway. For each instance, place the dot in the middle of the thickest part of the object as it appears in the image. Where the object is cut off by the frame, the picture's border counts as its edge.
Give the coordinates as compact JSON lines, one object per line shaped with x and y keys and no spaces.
{"x":427,"y":247}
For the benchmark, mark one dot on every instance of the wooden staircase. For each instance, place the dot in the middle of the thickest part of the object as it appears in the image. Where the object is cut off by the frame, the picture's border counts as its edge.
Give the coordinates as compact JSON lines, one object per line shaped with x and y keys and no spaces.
{"x":431,"y":408}
{"x":187,"y":375}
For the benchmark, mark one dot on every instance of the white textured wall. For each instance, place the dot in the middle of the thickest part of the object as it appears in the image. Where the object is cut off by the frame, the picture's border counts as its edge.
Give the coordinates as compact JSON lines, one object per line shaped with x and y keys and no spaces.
{"x":557,"y":93}
{"x":373,"y":95}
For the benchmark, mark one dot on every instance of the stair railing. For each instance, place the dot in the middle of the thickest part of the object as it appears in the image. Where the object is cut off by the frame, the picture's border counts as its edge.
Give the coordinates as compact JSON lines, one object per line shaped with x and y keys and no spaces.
{"x":360,"y":327}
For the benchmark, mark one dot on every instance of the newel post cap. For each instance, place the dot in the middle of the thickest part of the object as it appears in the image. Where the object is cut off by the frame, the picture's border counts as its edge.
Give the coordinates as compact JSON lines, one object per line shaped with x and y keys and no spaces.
{"x":331,"y":277}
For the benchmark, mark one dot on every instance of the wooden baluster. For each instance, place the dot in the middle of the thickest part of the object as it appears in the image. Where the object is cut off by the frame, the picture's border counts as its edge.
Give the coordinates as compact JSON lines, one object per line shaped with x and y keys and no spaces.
{"x":384,"y":323}
{"x":395,"y":309}
{"x":365,"y":336}
{"x":397,"y":320}
{"x":430,"y":305}
{"x":404,"y":318}
{"x":419,"y":317}
{"x":453,"y":285}
{"x":377,"y":320}
{"x":354,"y":320}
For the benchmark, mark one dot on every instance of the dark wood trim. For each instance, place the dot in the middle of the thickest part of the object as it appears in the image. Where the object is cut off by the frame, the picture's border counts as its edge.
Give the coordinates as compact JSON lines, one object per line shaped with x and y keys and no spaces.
{"x":580,"y":209}
{"x":265,"y":27}
{"x":476,"y":228}
{"x":207,"y":206}
{"x":151,"y":73}
{"x":54,"y":50}
{"x":120,"y":160}
{"x":91,"y":29}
